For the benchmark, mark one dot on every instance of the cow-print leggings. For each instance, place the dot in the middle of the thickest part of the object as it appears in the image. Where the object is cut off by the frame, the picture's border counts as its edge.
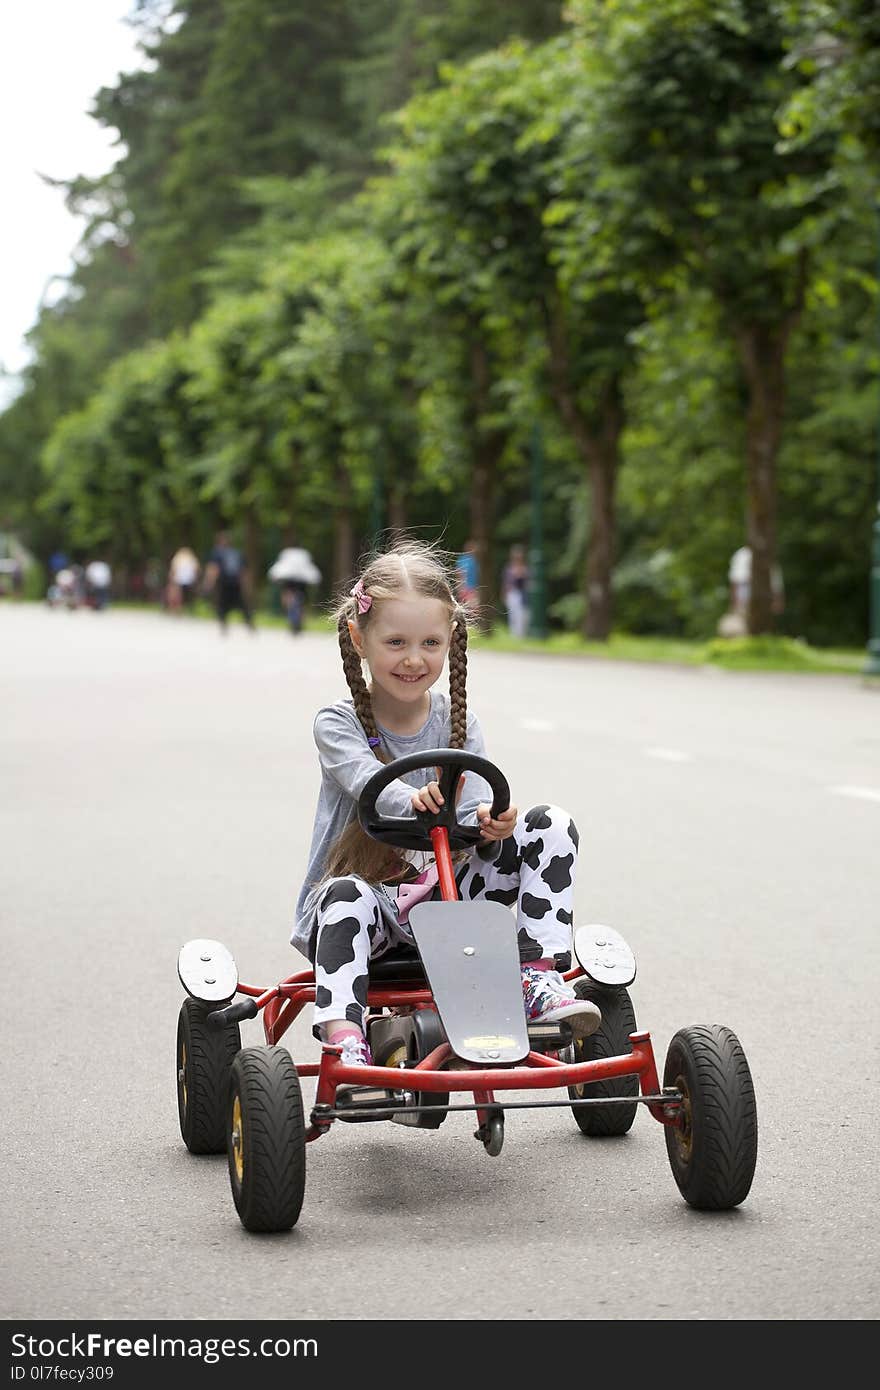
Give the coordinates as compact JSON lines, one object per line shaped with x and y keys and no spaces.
{"x":534,"y":868}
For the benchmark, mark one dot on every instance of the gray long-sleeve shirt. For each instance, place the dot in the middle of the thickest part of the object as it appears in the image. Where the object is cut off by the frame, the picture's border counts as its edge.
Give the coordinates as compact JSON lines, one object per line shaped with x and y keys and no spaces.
{"x":347,"y":764}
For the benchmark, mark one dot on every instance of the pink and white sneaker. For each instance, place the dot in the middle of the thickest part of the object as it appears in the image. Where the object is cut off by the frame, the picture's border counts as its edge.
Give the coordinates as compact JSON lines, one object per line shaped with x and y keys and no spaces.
{"x":355,"y":1053}
{"x":548,"y":999}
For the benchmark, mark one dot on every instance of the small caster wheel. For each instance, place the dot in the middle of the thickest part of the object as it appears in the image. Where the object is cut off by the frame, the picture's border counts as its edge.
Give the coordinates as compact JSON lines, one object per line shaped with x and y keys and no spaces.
{"x":491,"y":1135}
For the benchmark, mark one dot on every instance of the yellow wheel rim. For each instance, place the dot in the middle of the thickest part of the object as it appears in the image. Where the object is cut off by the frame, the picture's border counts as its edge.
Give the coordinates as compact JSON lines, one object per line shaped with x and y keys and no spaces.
{"x":237,"y":1141}
{"x":683,"y":1132}
{"x":578,"y":1050}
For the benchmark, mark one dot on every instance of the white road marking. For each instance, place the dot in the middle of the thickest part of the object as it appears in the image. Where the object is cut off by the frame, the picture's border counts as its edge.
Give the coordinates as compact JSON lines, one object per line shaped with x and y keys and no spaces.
{"x":865,"y":793}
{"x":669,"y":755}
{"x":537,"y":726}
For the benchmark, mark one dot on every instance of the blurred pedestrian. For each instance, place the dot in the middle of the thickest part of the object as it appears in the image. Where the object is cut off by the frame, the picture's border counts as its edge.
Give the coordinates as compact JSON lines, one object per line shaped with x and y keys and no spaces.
{"x":514,"y":591}
{"x":98,"y":577}
{"x":57,"y":561}
{"x":183,"y":577}
{"x":226,"y":579}
{"x":735,"y":623}
{"x":293,"y":572}
{"x":293,"y":601}
{"x":467,"y":574}
{"x":64,"y":591}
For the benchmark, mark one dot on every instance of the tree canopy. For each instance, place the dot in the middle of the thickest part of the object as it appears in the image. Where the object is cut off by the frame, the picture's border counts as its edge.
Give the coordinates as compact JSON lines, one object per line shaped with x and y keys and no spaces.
{"x":362,"y":266}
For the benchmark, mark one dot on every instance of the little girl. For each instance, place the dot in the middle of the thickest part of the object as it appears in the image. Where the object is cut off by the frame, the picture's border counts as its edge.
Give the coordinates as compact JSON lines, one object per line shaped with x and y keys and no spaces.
{"x":402,"y":619}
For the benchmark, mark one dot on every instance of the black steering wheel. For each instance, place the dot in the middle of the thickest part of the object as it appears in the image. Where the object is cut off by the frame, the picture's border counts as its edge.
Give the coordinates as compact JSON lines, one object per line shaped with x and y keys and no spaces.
{"x":413,"y":832}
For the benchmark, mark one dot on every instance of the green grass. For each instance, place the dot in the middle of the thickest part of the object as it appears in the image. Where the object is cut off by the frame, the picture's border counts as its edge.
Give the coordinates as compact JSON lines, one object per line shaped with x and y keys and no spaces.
{"x":621,"y":646}
{"x":780,"y":654}
{"x":731,"y":654}
{"x":728,"y":653}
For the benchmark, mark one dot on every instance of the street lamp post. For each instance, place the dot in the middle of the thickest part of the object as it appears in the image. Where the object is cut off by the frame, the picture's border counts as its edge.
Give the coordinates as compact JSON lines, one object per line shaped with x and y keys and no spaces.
{"x":537,"y":578}
{"x":377,"y":500}
{"x":872,"y":665}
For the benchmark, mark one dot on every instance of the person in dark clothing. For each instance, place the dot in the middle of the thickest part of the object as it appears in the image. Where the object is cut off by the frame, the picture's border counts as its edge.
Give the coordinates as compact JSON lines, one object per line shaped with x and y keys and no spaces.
{"x":293,"y":598}
{"x":226,"y":579}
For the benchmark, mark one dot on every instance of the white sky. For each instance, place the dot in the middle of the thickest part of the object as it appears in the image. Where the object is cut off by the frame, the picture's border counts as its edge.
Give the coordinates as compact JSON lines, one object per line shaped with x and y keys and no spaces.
{"x":54,"y":56}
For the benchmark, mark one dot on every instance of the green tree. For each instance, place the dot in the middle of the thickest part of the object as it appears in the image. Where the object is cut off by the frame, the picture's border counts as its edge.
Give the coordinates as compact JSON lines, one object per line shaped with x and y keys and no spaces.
{"x":119,"y":468}
{"x":484,"y":211}
{"x":703,"y":183}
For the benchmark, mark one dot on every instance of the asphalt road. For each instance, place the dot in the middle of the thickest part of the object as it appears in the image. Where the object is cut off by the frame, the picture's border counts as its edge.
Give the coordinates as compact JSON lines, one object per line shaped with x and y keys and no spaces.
{"x":157,"y":783}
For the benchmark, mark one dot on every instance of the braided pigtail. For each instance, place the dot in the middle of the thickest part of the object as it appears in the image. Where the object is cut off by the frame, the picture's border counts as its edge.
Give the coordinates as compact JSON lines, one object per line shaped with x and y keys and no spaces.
{"x":354,"y":851}
{"x":458,"y":682}
{"x":351,"y":665}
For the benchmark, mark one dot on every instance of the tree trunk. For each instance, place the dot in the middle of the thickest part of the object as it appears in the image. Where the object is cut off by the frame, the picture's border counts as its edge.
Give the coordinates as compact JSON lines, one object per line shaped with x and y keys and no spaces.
{"x":398,"y":509}
{"x":488,"y":447}
{"x":343,"y":534}
{"x":290,"y":529}
{"x":762,"y":354}
{"x":253,"y":555}
{"x":403,"y":465}
{"x":602,"y":452}
{"x":598,"y":443}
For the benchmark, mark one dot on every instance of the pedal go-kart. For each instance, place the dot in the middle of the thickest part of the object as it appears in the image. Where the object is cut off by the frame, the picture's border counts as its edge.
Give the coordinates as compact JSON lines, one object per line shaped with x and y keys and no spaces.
{"x":448,"y":1020}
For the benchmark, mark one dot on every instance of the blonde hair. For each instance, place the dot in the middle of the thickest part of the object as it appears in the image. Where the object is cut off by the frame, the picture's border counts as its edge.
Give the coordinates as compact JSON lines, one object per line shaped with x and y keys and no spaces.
{"x":414,"y":567}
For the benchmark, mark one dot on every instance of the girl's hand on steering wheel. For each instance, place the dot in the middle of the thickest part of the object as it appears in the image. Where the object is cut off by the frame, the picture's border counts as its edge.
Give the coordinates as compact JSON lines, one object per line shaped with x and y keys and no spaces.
{"x":429,"y":798}
{"x":497,"y":829}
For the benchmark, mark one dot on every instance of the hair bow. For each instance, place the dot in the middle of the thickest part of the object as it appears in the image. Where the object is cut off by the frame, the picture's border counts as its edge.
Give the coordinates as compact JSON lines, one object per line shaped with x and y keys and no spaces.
{"x":364,"y":600}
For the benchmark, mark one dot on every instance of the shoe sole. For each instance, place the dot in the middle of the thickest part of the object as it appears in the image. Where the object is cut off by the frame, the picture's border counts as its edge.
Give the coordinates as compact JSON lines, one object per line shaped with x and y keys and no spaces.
{"x":583,"y":1018}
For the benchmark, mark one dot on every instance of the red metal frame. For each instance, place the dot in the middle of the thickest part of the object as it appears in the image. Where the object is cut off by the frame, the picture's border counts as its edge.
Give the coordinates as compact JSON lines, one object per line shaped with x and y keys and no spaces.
{"x":281,"y":1005}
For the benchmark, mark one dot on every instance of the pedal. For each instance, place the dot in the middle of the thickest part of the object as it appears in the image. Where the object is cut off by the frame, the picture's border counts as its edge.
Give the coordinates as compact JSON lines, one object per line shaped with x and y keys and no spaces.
{"x":207,"y":971}
{"x":549,"y":1037}
{"x":371,"y":1098}
{"x":604,"y":955}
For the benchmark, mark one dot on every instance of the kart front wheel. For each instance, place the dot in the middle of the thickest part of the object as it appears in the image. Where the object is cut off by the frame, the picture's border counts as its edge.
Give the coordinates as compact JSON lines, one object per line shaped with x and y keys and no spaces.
{"x":611,"y":1039}
{"x":714,"y":1148}
{"x":266,"y":1143}
{"x":204,"y":1060}
{"x":492,"y":1135}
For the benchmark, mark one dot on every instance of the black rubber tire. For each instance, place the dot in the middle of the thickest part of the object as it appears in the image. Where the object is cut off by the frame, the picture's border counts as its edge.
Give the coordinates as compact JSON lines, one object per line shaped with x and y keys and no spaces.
{"x":267,"y":1163}
{"x":493,"y":1135}
{"x":713,"y":1157}
{"x":204,"y":1061}
{"x":428,"y":1033}
{"x":611,"y":1039}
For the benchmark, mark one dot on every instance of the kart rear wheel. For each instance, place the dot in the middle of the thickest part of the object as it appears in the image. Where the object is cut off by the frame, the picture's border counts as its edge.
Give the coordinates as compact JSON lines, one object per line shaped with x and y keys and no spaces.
{"x":611,"y":1039}
{"x":427,"y":1033}
{"x":714,"y":1151}
{"x":266,"y":1143}
{"x":204,"y":1061}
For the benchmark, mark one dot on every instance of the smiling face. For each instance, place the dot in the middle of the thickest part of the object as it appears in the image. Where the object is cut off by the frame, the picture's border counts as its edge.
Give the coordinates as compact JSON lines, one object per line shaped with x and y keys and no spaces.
{"x":404,"y":642}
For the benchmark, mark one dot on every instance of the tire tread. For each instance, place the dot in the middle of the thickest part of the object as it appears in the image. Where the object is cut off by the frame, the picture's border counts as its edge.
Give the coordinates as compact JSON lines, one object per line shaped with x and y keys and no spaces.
{"x":611,"y":1039}
{"x":211,"y":1053}
{"x":271,"y":1195}
{"x":726,"y":1131}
